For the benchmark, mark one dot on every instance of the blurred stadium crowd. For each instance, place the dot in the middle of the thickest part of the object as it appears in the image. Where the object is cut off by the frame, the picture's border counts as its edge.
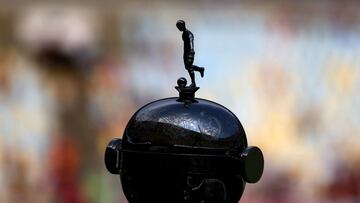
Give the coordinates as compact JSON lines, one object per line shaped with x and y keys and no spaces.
{"x":71,"y":75}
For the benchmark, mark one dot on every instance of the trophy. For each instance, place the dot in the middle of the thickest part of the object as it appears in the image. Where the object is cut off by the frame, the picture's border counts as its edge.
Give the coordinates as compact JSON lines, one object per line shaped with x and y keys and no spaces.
{"x":184,"y":149}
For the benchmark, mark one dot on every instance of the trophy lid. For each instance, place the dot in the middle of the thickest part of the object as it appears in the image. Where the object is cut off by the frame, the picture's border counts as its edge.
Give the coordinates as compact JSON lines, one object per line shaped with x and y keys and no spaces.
{"x":173,"y":122}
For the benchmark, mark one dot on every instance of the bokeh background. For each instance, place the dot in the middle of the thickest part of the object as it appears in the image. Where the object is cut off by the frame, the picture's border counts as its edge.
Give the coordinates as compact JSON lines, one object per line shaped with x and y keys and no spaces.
{"x":73,"y":73}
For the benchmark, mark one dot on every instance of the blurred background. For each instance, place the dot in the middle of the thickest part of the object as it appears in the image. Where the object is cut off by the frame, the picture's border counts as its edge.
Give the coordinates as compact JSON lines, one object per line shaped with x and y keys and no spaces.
{"x":73,"y":73}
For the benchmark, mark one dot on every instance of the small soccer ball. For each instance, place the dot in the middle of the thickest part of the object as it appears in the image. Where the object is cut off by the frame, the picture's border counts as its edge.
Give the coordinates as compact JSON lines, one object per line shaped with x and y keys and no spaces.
{"x":181,"y":82}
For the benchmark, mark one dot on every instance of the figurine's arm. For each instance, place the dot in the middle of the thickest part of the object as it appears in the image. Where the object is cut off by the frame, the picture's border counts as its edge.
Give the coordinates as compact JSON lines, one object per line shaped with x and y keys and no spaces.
{"x":191,"y":51}
{"x":191,"y":39}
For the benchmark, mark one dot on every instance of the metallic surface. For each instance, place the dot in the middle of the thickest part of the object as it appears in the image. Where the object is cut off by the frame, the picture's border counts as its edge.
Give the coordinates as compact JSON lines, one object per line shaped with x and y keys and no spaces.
{"x":203,"y":124}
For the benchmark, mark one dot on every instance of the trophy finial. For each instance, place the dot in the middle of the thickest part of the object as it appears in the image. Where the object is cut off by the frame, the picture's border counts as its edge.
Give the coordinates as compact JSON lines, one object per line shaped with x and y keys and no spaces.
{"x":189,"y":52}
{"x":188,"y":57}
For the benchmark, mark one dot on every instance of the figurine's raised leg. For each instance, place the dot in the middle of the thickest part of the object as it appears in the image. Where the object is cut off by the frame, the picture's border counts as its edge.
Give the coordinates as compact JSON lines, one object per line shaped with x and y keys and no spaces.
{"x":199,"y":69}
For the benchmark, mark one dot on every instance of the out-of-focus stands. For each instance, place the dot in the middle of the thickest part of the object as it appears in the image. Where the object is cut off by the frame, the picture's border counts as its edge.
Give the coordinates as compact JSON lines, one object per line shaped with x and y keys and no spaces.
{"x":72,"y":75}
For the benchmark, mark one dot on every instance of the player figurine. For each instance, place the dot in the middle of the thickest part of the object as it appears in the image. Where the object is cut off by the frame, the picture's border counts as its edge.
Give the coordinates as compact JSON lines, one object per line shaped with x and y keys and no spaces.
{"x":189,"y":53}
